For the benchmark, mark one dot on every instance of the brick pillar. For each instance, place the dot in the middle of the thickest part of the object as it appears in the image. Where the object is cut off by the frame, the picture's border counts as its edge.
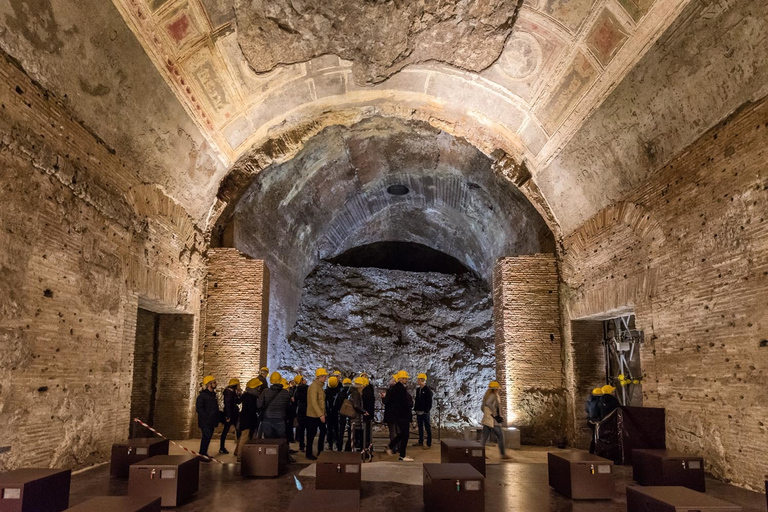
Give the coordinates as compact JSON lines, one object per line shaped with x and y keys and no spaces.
{"x":528,"y":346}
{"x":236,"y":314}
{"x":173,"y":399}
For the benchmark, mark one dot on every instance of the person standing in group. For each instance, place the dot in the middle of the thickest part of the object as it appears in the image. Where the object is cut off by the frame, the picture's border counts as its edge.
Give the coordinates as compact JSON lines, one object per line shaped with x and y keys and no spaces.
{"x":207,"y":408}
{"x":607,"y":402}
{"x":492,"y":419}
{"x":402,"y":406}
{"x":344,"y":424}
{"x":593,"y":414}
{"x":231,"y":412}
{"x":300,"y":401}
{"x":356,"y":423}
{"x":332,"y":413}
{"x":369,"y":404}
{"x":274,"y":403}
{"x":422,"y":406}
{"x":264,"y":378}
{"x":316,"y":412}
{"x":291,"y":417}
{"x":388,"y":420}
{"x":249,"y":416}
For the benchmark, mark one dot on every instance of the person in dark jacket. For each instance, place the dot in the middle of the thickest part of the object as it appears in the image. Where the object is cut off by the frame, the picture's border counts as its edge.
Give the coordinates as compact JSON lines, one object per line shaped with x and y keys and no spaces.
{"x":291,"y":417}
{"x":207,"y":408}
{"x":249,"y":416}
{"x":369,"y":404}
{"x":274,"y":403}
{"x":300,"y":400}
{"x":401,"y":405}
{"x":607,"y":402}
{"x":357,"y":423}
{"x":344,"y":424}
{"x":332,"y":419}
{"x":593,"y":415}
{"x":422,"y":405}
{"x":231,"y":412}
{"x":388,"y":420}
{"x":264,"y":378}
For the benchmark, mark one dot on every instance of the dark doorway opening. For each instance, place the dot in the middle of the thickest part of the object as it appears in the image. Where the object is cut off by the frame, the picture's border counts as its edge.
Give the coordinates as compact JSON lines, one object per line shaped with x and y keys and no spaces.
{"x":407,"y":256}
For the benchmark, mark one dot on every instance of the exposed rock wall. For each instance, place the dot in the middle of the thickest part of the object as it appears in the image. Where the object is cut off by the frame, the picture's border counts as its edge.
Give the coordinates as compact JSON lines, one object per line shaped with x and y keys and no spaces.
{"x":687,"y":250}
{"x":381,"y":321}
{"x":380,"y":38}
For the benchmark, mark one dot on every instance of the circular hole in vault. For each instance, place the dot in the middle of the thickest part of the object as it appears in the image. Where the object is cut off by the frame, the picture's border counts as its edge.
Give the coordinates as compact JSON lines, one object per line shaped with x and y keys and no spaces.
{"x":397,"y":190}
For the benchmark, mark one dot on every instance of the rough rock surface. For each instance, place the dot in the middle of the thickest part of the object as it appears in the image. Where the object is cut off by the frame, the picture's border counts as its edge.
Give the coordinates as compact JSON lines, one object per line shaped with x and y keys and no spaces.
{"x":380,"y":37}
{"x":381,"y":321}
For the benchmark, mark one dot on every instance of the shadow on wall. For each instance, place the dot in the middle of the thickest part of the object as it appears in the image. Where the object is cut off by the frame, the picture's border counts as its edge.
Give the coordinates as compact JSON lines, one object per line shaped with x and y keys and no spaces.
{"x":383,"y":320}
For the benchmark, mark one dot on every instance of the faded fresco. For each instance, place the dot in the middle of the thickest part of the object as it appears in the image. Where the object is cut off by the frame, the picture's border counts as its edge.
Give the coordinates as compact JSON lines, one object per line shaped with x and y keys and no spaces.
{"x":196,"y":47}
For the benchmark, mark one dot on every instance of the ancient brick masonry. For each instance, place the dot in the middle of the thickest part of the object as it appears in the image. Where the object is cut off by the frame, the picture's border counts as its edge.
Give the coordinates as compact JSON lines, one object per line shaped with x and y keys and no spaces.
{"x":82,"y":243}
{"x":528,"y":346}
{"x":237,"y":306}
{"x":688,"y":252}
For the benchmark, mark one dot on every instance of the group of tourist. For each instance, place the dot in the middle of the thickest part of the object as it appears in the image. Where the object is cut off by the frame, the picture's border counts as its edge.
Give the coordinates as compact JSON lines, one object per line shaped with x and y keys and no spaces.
{"x":334,"y":410}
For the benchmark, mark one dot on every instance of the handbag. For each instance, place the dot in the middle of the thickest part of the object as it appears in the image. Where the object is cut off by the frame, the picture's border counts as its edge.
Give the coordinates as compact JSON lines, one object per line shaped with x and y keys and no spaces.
{"x":348,"y":409}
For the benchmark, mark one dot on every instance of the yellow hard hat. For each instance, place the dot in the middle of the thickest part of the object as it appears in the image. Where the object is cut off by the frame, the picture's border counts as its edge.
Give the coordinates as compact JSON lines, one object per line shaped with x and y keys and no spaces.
{"x":366,"y":381}
{"x":264,"y":369}
{"x":422,"y":376}
{"x":297,"y":379}
{"x":320,"y":372}
{"x":608,"y":389}
{"x":363,"y":374}
{"x":275,"y":378}
{"x":253,"y":383}
{"x":284,"y":383}
{"x":636,"y":381}
{"x":360,"y":381}
{"x":394,"y":376}
{"x":233,"y":382}
{"x":333,"y":382}
{"x":346,"y":382}
{"x":337,"y":373}
{"x":402,"y":374}
{"x":208,"y":379}
{"x":597,"y":391}
{"x":621,"y":376}
{"x":494,"y":385}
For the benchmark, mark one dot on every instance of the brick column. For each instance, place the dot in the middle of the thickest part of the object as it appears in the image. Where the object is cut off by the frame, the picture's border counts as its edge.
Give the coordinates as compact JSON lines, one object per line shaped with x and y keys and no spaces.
{"x":236,"y":313}
{"x":528,"y":346}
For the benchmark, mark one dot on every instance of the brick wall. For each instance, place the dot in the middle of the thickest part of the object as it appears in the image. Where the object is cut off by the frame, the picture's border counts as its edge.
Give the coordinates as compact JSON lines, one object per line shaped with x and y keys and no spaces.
{"x":176,"y":384}
{"x":528,"y":346}
{"x":688,"y":252}
{"x":83,"y":241}
{"x":236,"y":314}
{"x":586,"y":357}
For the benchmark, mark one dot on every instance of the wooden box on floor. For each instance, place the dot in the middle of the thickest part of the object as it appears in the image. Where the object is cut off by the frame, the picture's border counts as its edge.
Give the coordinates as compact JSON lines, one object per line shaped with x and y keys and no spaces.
{"x":667,"y":467}
{"x":264,"y":457}
{"x":456,"y":451}
{"x":325,"y":501}
{"x":453,"y":488}
{"x":175,"y":478}
{"x":134,"y":450}
{"x":581,"y":475}
{"x":674,"y":499}
{"x":35,"y":490}
{"x":338,"y":470}
{"x":119,"y":504}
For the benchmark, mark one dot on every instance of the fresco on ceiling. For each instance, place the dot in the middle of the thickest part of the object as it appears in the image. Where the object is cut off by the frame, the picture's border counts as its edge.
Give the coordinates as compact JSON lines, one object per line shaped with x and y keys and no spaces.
{"x":194,"y":45}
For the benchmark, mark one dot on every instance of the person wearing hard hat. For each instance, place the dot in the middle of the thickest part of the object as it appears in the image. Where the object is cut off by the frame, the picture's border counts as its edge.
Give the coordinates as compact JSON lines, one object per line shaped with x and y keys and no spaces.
{"x":368,"y":394}
{"x":401,"y":405}
{"x":593,"y":415}
{"x":273,"y":404}
{"x":264,"y":378}
{"x":300,"y":402}
{"x":231,"y":412}
{"x":316,"y":412}
{"x":388,"y":419}
{"x":207,"y":408}
{"x":421,"y":406}
{"x":607,"y":402}
{"x":356,"y":423}
{"x":492,"y":419}
{"x":249,"y":416}
{"x":333,"y":389}
{"x":344,"y":423}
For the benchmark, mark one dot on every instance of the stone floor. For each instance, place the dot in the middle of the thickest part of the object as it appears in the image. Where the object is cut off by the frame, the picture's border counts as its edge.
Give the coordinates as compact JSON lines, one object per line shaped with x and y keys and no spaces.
{"x":518,"y":485}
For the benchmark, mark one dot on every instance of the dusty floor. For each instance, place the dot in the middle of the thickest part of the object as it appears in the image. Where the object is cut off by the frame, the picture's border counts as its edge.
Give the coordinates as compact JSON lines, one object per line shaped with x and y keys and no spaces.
{"x":518,"y":485}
